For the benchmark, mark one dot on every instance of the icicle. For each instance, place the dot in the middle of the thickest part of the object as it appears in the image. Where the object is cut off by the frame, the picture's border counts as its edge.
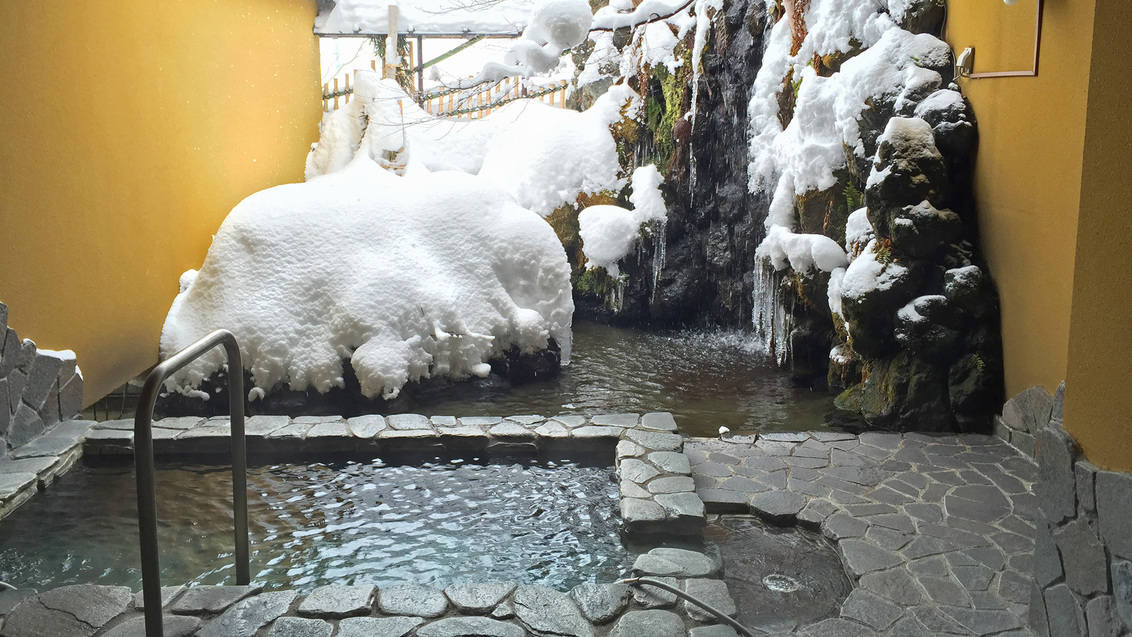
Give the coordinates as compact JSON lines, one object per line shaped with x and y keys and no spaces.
{"x":658,"y":236}
{"x":771,"y":320}
{"x":616,"y":298}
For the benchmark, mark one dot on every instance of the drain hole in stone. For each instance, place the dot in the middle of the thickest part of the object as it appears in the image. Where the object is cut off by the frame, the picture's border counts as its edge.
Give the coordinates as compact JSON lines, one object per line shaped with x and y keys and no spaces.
{"x":781,"y":578}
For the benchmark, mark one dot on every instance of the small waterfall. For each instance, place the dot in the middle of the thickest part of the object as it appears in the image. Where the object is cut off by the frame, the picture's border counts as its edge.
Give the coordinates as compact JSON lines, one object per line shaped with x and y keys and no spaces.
{"x":772,"y":321}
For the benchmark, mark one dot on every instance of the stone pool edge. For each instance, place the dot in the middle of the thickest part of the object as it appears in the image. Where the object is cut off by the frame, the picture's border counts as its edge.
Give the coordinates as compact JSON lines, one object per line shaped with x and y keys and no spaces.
{"x":657,"y":499}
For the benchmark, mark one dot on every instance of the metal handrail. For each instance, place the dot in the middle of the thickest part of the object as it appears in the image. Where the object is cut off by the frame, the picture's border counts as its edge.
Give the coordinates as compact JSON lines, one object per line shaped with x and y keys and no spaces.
{"x":143,"y":466}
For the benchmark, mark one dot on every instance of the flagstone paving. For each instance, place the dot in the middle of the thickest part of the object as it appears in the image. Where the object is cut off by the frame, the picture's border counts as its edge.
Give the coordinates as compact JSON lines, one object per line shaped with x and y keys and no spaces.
{"x":935,"y":531}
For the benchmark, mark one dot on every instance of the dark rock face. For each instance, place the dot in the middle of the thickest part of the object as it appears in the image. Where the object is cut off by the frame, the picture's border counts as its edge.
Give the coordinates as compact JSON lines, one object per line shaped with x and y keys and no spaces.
{"x":699,"y":270}
{"x":917,"y":334}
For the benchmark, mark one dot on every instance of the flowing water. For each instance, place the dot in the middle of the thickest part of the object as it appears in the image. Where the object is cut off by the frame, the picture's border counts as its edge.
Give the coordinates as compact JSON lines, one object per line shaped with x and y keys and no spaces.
{"x":554,"y":523}
{"x":707,"y":379}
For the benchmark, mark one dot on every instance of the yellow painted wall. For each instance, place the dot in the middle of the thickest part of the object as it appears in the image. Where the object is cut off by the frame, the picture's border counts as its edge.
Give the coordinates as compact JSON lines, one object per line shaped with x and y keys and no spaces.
{"x":1028,"y":170}
{"x":128,"y":130}
{"x":1098,"y":402}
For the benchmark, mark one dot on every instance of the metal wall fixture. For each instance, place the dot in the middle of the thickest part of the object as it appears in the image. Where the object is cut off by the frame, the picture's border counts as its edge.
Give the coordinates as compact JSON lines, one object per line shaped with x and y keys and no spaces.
{"x":144,"y":469}
{"x":965,"y":63}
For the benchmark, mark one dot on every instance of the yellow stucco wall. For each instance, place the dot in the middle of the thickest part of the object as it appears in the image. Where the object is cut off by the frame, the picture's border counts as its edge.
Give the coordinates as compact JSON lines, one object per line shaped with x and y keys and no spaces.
{"x":1098,"y":402}
{"x":1028,"y":170}
{"x":128,"y":130}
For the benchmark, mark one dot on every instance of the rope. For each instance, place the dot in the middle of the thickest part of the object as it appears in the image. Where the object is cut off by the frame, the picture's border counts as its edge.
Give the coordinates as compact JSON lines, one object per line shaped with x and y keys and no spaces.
{"x":644,"y":581}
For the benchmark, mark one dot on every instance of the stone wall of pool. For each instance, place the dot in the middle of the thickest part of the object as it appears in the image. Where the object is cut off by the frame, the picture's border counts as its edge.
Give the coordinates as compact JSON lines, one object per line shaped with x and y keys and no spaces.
{"x":38,"y":389}
{"x":1082,"y":572}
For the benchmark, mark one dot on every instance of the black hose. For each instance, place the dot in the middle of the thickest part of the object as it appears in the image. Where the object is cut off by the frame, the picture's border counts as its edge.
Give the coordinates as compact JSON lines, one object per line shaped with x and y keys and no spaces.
{"x":723,"y":617}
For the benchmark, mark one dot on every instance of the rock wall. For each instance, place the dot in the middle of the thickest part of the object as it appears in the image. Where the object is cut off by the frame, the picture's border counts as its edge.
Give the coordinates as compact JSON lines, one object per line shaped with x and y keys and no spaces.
{"x":697,"y":267}
{"x":38,"y":388}
{"x":921,"y":351}
{"x":1082,"y":567}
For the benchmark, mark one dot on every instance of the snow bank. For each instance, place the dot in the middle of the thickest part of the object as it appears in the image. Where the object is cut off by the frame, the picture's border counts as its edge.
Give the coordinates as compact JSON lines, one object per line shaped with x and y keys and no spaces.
{"x":547,"y":156}
{"x":609,"y":233}
{"x":428,"y":16}
{"x":802,"y":252}
{"x":544,"y":156}
{"x":430,"y":274}
{"x":805,"y":154}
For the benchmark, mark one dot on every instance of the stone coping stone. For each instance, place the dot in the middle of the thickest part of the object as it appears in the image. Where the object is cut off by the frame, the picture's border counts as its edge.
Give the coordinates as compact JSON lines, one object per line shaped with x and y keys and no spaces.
{"x":484,"y":609}
{"x":35,"y":465}
{"x":375,"y":434}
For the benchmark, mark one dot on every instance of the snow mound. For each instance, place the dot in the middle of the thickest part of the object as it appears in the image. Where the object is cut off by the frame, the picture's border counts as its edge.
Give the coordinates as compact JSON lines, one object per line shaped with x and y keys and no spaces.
{"x":430,"y":274}
{"x":609,"y":232}
{"x":564,"y":24}
{"x":544,"y":156}
{"x":913,"y":136}
{"x":548,"y":156}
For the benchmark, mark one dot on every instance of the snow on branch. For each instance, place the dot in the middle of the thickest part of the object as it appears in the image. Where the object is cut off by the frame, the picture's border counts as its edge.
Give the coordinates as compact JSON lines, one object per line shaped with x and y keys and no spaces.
{"x":646,"y":12}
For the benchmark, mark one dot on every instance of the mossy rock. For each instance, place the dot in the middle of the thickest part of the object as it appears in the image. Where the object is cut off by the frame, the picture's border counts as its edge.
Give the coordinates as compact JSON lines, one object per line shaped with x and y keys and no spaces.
{"x":974,"y":385}
{"x":827,"y":211}
{"x":667,"y":101}
{"x":902,"y":393}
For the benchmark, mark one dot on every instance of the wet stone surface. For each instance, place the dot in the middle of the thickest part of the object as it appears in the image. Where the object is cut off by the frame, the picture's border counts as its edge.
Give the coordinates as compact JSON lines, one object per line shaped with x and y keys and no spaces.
{"x":936,"y":531}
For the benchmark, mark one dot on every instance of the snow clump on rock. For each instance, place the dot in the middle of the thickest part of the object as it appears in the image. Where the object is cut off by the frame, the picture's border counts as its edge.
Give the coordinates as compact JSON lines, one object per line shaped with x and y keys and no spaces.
{"x":430,"y":274}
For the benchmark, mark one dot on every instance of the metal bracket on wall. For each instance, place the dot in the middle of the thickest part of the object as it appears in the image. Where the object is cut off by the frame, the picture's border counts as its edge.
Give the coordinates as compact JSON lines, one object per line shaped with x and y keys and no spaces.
{"x":966,"y":62}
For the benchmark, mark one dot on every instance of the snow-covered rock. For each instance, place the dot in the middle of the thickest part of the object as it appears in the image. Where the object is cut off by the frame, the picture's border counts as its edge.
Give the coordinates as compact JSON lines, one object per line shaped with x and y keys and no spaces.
{"x":802,"y":252}
{"x":609,"y":233}
{"x":430,"y":274}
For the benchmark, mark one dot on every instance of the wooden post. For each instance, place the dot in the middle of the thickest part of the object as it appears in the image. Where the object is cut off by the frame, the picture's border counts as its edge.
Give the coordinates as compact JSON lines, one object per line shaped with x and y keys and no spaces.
{"x":420,"y":63}
{"x":325,"y":102}
{"x":392,"y":57}
{"x":335,"y":93}
{"x":347,"y":100}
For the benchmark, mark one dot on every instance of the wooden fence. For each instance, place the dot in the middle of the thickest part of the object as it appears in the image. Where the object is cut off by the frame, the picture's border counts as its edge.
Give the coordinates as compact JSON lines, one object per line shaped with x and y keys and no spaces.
{"x":471,"y":104}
